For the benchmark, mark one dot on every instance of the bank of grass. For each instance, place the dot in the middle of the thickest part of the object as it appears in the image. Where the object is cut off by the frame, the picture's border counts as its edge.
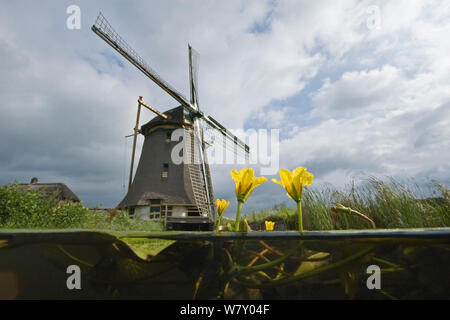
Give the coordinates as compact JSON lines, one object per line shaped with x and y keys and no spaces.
{"x":389,"y":204}
{"x":20,"y":209}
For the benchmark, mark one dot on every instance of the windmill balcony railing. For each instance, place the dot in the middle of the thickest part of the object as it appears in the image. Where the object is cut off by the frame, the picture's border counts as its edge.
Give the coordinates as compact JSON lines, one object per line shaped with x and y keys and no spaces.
{"x":192,"y":211}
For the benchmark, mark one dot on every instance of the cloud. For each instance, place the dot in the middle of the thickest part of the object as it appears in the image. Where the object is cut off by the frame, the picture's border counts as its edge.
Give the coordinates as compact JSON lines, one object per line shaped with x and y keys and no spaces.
{"x":358,"y":92}
{"x":349,"y":100}
{"x":398,"y":126}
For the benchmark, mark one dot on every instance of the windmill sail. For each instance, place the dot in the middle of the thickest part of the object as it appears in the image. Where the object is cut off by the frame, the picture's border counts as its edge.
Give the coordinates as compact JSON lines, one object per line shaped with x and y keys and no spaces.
{"x":105,"y":31}
{"x":151,"y":189}
{"x":208,"y":203}
{"x":193,"y":76}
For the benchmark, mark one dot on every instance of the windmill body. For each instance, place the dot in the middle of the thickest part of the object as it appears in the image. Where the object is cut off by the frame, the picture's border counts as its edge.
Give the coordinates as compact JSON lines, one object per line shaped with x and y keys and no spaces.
{"x":181,"y":193}
{"x":164,"y":189}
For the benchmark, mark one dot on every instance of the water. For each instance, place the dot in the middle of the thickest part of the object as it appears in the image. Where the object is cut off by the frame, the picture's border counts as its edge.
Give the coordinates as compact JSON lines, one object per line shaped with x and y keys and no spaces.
{"x":258,"y":265}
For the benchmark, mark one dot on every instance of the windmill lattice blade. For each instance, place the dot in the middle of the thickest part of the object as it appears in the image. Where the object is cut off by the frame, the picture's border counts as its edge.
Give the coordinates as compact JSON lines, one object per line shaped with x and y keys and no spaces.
{"x":104,"y":30}
{"x":227,"y":134}
{"x":213,"y":137}
{"x":193,"y":76}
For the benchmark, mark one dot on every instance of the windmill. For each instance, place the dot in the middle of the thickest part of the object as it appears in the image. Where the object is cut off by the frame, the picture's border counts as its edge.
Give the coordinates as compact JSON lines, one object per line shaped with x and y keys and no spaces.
{"x":181,"y":193}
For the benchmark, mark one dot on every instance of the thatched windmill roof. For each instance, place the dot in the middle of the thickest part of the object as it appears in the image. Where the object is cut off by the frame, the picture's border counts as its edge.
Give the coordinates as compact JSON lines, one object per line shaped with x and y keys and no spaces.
{"x":174,"y":116}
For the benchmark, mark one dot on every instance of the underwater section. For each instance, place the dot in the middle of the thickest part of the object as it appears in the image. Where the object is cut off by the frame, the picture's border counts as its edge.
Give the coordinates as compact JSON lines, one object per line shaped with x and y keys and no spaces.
{"x":375,"y":264}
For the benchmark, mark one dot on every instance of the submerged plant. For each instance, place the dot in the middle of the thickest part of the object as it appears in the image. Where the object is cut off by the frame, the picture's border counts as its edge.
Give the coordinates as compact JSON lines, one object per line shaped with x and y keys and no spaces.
{"x":246,"y":182}
{"x":222,"y":205}
{"x":293,"y":182}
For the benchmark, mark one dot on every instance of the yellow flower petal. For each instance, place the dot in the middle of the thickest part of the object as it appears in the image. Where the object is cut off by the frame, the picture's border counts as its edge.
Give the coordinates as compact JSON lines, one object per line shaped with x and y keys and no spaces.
{"x":259,"y":180}
{"x":222,"y":205}
{"x":286,"y":178}
{"x":235,"y":175}
{"x":269,"y":225}
{"x":246,"y":182}
{"x":294,"y":181}
{"x":298,"y":171}
{"x":276,"y":181}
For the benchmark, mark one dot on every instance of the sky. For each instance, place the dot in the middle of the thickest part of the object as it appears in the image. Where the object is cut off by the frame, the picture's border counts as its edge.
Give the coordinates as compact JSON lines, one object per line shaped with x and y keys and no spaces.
{"x":355,"y":88}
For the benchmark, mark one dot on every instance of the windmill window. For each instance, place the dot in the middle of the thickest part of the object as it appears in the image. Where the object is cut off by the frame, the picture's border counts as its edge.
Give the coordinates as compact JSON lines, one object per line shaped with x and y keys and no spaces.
{"x":155,"y":209}
{"x":165,"y":173}
{"x":165,"y":210}
{"x":155,"y":216}
{"x":168,"y":136}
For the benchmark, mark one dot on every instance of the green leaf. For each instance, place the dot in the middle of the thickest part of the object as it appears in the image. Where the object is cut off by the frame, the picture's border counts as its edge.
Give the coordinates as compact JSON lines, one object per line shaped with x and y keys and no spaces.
{"x":307,"y":266}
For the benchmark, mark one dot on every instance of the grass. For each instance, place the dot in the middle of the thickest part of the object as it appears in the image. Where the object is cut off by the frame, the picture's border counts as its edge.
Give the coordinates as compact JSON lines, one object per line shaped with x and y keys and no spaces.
{"x":101,"y":219}
{"x":389,"y":204}
{"x":27,"y":209}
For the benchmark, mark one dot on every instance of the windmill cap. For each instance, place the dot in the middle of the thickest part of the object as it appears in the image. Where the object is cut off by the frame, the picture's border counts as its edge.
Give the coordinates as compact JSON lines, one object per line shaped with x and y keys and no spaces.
{"x":175,"y":117}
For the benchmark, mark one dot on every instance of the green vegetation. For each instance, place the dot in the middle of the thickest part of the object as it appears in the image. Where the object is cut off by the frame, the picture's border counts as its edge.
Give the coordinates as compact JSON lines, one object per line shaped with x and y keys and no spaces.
{"x":389,"y":204}
{"x":101,"y":219}
{"x":29,"y":209}
{"x":144,"y":247}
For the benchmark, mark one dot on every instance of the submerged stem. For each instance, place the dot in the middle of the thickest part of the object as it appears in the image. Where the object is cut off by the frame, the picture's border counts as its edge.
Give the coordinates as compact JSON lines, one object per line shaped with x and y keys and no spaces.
{"x":313,"y":272}
{"x":197,"y":286}
{"x":275,"y":251}
{"x":263,"y":266}
{"x":258,"y":255}
{"x":384,"y":261}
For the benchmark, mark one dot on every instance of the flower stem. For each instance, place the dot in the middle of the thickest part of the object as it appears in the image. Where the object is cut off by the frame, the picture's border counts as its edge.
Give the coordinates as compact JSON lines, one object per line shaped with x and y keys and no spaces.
{"x":300,"y":219}
{"x":219,"y":223}
{"x":238,"y":216}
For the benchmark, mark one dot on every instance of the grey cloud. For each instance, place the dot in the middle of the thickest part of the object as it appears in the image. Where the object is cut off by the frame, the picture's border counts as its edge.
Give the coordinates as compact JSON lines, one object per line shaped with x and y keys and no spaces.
{"x":358,"y":92}
{"x":431,"y":127}
{"x":66,"y":101}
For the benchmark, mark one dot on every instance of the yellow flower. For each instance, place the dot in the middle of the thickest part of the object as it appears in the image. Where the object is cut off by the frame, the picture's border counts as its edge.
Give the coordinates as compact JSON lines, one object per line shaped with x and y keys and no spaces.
{"x":245,"y":183}
{"x":294,"y":181}
{"x":221,"y":206}
{"x":269,"y":225}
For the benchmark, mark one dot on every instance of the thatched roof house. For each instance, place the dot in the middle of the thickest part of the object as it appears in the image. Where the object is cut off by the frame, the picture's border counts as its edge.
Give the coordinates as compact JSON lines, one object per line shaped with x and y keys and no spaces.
{"x":58,"y":190}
